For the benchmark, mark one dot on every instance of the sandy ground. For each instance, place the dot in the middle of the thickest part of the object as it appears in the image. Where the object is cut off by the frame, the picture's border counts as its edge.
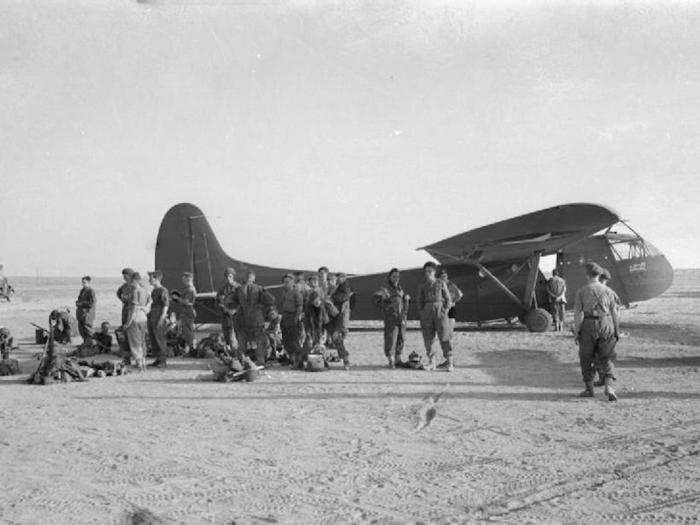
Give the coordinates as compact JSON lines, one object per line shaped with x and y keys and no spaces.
{"x":511,"y":441}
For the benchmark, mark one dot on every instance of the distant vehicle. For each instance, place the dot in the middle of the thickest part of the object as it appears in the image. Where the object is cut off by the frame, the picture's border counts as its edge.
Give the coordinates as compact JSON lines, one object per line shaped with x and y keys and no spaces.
{"x":496,"y":266}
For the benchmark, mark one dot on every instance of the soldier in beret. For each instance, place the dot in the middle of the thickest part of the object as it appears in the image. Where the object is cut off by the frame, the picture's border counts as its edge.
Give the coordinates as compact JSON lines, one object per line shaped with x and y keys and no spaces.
{"x":596,"y":329}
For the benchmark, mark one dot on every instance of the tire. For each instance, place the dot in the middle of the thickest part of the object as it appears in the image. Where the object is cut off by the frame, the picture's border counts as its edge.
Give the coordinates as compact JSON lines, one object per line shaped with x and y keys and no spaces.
{"x":538,"y":320}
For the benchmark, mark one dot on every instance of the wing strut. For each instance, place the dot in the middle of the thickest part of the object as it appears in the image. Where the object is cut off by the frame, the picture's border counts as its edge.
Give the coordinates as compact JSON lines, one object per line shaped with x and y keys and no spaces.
{"x":498,"y":283}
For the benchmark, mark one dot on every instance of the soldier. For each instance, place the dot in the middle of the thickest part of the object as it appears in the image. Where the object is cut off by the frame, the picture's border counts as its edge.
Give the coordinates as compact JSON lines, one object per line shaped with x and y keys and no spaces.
{"x":6,"y":289}
{"x":433,"y":304}
{"x":292,"y":308}
{"x":393,"y":302}
{"x":225,"y":298}
{"x":273,"y":332}
{"x":338,"y":325}
{"x":605,"y":279}
{"x":301,"y":285}
{"x":315,"y":315}
{"x":103,"y":339}
{"x":7,"y":343}
{"x":157,"y":319}
{"x":60,"y":320}
{"x":556,"y":291}
{"x":85,"y":310}
{"x":123,"y":292}
{"x":323,"y":278}
{"x":596,"y":329}
{"x":455,"y":296}
{"x":252,"y":301}
{"x":187,"y":298}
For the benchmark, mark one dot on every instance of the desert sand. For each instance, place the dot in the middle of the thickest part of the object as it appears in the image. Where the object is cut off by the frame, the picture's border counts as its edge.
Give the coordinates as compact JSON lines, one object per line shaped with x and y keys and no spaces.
{"x":510,"y":442}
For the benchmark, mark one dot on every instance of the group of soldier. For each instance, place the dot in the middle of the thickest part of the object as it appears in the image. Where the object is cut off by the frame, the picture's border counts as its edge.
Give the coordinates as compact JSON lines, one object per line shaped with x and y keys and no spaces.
{"x":313,"y":311}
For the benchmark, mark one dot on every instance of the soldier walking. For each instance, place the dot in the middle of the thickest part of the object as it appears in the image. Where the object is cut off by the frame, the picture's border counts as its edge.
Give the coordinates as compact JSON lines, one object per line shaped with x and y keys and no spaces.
{"x":292,"y":309}
{"x":597,"y":330}
{"x":604,"y":278}
{"x":225,"y":298}
{"x":433,"y":304}
{"x":393,"y":303}
{"x":157,"y":319}
{"x":85,"y":310}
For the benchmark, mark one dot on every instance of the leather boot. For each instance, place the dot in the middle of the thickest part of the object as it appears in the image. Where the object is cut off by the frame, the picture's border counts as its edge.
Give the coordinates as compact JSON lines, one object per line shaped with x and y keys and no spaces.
{"x":588,"y":392}
{"x":450,"y":365}
{"x":609,"y":389}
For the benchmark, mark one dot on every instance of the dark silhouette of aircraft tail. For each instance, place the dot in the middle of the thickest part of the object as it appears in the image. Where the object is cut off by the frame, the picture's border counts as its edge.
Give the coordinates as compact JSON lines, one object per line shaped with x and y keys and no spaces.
{"x":186,"y":242}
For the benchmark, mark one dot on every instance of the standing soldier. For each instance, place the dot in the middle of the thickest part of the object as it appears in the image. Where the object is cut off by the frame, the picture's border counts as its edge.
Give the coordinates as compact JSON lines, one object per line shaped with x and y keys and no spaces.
{"x":292,"y":308}
{"x":157,"y":319}
{"x":393,"y":302}
{"x":338,"y":325}
{"x":225,"y":298}
{"x":596,"y":329}
{"x":302,"y":287}
{"x":85,"y":310}
{"x":455,"y":297}
{"x":433,"y":304}
{"x":187,"y":298}
{"x":252,"y":302}
{"x":556,"y":291}
{"x":123,"y":293}
{"x":315,"y":315}
{"x":323,"y":278}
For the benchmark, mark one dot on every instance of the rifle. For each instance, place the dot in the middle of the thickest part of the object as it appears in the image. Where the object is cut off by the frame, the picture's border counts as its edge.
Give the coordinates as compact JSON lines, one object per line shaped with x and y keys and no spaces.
{"x":39,"y":327}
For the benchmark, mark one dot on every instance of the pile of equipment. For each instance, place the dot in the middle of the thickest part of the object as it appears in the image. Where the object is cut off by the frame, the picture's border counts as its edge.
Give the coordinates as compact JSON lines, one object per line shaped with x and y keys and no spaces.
{"x":227,"y":369}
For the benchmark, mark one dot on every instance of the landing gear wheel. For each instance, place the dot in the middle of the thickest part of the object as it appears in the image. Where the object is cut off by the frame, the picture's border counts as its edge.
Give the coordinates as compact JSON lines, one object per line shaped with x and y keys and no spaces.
{"x":538,"y":320}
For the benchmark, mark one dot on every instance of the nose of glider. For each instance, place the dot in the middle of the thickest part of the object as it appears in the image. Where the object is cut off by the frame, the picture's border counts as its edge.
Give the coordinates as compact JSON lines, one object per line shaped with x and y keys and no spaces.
{"x":648,"y":278}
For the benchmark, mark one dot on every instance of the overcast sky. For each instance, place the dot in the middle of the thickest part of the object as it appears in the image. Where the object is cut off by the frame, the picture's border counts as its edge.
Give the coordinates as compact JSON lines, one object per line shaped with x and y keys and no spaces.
{"x":344,"y":134}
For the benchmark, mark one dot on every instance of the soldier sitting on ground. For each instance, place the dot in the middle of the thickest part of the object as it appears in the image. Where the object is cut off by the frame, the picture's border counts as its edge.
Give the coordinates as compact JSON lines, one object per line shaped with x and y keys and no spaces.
{"x":6,"y":342}
{"x":273,"y":332}
{"x":103,"y":339}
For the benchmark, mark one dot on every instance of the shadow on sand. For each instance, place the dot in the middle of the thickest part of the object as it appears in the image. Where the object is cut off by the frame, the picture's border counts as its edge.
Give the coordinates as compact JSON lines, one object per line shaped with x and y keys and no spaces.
{"x":533,"y":368}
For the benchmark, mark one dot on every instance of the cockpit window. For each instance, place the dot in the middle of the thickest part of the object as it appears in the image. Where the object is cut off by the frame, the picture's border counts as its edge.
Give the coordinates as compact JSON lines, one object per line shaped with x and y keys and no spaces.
{"x":633,"y":249}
